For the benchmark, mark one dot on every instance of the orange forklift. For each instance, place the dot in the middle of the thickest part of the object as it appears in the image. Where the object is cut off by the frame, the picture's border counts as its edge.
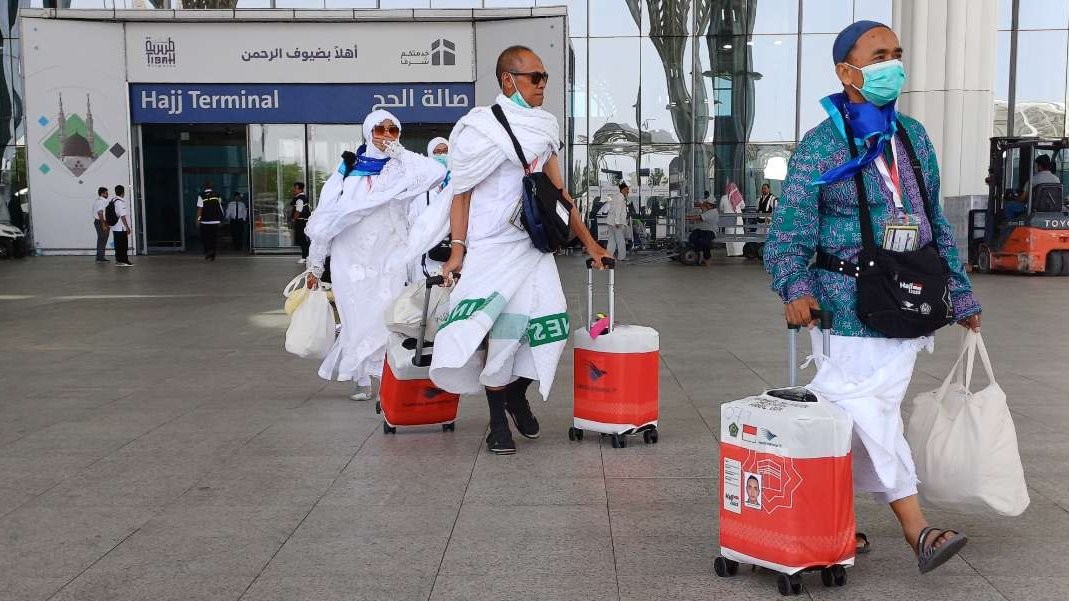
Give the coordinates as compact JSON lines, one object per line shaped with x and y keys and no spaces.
{"x":1025,"y":227}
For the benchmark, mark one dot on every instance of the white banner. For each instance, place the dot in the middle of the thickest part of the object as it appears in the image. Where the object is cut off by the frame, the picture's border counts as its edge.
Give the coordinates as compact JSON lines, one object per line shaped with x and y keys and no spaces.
{"x":300,"y":52}
{"x":77,"y":128}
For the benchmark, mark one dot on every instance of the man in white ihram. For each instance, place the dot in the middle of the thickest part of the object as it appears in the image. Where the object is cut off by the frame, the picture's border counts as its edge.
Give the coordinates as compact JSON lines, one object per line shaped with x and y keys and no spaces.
{"x":510,"y":295}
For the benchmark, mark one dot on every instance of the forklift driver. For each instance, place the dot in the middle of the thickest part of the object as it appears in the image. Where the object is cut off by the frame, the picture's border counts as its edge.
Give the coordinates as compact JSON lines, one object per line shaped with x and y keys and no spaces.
{"x":1043,"y":173}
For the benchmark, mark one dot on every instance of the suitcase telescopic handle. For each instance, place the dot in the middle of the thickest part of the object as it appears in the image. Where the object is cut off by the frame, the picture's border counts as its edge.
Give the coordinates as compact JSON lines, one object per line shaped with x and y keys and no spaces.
{"x":827,"y":320}
{"x":610,"y":264}
{"x":435,"y":280}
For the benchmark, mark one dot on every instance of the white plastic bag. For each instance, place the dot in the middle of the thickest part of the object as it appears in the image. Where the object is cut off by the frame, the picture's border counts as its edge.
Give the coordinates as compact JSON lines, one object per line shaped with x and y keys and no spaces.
{"x":406,"y":312}
{"x":965,"y":445}
{"x":311,"y":331}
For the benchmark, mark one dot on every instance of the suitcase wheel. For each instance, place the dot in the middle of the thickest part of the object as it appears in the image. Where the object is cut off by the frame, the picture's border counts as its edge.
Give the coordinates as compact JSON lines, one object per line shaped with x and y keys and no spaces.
{"x":450,"y":427}
{"x":378,"y":408}
{"x":725,"y":568}
{"x":789,"y":585}
{"x":833,"y":576}
{"x":387,"y":428}
{"x":650,"y":436}
{"x":575,"y":434}
{"x":618,"y":441}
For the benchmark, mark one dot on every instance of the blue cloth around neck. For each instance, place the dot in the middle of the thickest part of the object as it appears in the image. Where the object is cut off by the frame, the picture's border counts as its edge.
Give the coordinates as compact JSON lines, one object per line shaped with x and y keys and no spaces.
{"x":872,"y":126}
{"x":365,"y":165}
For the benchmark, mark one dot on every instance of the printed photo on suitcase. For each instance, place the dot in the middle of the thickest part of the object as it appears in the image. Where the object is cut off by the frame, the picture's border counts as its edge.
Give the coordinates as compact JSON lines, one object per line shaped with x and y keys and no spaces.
{"x":617,"y":387}
{"x":407,"y":397}
{"x":786,"y":485}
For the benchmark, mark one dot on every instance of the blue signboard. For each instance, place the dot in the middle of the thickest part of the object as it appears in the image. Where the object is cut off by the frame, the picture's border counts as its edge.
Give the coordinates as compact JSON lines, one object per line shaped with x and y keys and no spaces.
{"x":298,"y":103}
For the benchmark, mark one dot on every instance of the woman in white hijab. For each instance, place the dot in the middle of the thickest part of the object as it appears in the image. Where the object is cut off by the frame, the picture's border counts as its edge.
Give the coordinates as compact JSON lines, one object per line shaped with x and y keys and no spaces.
{"x":363,"y":220}
{"x":437,"y":149}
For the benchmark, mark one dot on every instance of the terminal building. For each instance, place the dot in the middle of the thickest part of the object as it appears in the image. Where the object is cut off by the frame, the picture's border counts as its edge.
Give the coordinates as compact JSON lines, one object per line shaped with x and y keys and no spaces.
{"x":677,"y":97}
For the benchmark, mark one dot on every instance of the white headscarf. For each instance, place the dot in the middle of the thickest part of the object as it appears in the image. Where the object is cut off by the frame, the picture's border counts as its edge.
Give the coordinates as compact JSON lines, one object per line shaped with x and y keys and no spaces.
{"x":344,"y":201}
{"x":434,"y":144}
{"x":374,"y":118}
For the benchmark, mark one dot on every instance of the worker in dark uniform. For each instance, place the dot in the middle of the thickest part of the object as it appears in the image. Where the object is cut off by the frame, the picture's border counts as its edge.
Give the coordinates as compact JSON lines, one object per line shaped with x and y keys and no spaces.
{"x":300,"y":211}
{"x":209,"y":217}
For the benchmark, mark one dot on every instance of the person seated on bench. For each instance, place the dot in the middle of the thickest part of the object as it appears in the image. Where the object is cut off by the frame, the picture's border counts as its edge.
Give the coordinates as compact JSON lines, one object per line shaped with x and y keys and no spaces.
{"x":704,"y":231}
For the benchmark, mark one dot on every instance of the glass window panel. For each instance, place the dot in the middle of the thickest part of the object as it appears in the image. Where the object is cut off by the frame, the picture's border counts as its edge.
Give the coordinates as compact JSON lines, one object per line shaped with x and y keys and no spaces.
{"x":1005,"y":14}
{"x":1040,"y":85}
{"x":657,"y":193}
{"x":509,"y":3}
{"x":818,"y":82}
{"x":456,"y":3}
{"x":765,"y":163}
{"x":826,"y":16}
{"x":1043,"y":14}
{"x":278,"y":160}
{"x":667,"y":17}
{"x":666,"y":99}
{"x":776,"y":16}
{"x":609,"y":165}
{"x":614,"y":18}
{"x":613,"y":97}
{"x":576,"y":14}
{"x":579,"y":177}
{"x":325,"y":145}
{"x":873,"y":10}
{"x":351,"y":3}
{"x":1002,"y":82}
{"x":775,"y":64}
{"x":577,"y":96}
{"x":404,"y":4}
{"x":254,"y":4}
{"x":298,"y":3}
{"x":751,"y":87}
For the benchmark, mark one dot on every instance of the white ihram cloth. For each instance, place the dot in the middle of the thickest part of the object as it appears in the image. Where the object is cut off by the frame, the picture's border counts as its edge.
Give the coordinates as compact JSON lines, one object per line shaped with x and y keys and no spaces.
{"x":362,"y":223}
{"x":868,"y":377}
{"x":510,"y":293}
{"x":421,"y":266}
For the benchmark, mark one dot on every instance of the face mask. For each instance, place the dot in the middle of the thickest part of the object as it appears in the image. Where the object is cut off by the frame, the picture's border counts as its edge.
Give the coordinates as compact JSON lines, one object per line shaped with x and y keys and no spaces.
{"x":443,"y":159}
{"x":517,"y":97}
{"x":883,"y":81}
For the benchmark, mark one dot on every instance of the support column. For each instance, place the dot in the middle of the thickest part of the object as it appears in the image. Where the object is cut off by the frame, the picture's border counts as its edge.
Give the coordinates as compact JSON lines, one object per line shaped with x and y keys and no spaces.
{"x":950,"y":62}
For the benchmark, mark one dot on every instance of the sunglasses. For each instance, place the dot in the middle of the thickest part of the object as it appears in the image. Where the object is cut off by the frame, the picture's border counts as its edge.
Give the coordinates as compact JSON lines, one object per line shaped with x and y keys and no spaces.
{"x":536,"y":77}
{"x":382,"y":130}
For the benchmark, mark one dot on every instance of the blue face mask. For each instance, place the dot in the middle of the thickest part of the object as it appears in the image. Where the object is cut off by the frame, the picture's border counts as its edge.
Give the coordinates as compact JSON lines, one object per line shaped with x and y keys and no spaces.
{"x":517,"y":97}
{"x":883,"y":81}
{"x":442,"y":158}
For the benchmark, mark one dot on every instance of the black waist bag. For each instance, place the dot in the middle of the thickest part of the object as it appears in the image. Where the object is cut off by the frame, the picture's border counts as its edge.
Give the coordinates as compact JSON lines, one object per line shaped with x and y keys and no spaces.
{"x":545,"y":213}
{"x":900,"y":294}
{"x":904,"y":294}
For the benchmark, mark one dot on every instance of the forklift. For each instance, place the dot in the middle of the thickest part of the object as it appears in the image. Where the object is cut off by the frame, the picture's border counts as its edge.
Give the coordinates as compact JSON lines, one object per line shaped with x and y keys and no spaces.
{"x":1022,"y":231}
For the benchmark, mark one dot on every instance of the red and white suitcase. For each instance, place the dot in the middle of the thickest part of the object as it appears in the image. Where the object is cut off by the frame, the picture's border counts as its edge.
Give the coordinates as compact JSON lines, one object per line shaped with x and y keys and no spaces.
{"x":617,"y":388}
{"x":407,"y":397}
{"x":786,"y":486}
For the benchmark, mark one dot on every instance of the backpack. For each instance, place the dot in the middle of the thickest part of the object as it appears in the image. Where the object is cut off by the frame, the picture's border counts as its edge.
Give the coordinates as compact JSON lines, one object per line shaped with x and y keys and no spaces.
{"x":111,"y":216}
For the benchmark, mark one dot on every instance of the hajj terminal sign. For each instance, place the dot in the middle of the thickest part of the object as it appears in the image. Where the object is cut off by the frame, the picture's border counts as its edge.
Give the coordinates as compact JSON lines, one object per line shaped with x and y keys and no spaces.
{"x":300,"y":52}
{"x":298,"y":103}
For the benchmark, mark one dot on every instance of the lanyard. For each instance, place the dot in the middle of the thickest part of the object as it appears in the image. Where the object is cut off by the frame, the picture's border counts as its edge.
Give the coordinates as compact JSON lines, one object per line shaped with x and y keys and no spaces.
{"x":890,"y":176}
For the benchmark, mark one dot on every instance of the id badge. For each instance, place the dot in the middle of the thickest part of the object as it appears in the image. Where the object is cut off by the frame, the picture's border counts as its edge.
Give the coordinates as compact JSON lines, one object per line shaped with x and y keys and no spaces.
{"x":902,"y":234}
{"x":517,"y":213}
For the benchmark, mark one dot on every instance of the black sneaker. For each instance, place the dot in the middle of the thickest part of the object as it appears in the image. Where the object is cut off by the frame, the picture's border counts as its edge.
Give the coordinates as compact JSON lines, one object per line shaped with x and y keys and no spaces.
{"x":525,"y":421}
{"x":501,"y":443}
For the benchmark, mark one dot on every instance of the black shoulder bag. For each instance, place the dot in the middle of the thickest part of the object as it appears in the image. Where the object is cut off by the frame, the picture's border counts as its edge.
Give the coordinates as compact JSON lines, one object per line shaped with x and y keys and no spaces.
{"x":899,"y":294}
{"x":545,"y":214}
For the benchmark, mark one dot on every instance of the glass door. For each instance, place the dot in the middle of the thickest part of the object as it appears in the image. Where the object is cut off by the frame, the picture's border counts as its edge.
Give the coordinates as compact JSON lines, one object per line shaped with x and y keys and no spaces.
{"x":278,"y":154}
{"x":325,"y":145}
{"x":162,"y":193}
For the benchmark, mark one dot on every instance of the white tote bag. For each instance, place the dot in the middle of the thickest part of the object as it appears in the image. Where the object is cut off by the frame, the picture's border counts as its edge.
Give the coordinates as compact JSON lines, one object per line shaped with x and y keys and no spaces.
{"x":406,"y":312}
{"x":311,"y":331}
{"x":964,"y":442}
